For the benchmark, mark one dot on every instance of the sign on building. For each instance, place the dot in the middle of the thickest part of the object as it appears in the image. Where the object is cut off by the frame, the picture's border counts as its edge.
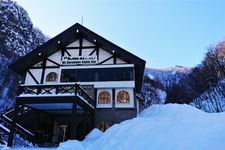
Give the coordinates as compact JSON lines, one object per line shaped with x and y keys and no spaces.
{"x":79,"y":60}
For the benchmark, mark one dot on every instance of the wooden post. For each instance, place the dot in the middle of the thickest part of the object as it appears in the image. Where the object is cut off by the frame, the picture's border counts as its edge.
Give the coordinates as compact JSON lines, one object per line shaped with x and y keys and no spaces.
{"x":76,"y":88}
{"x":13,"y":126}
{"x":73,"y":123}
{"x":92,"y":114}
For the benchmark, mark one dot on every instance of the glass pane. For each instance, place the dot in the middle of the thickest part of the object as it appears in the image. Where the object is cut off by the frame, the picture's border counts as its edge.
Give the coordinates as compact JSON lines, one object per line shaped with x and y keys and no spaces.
{"x":97,"y":74}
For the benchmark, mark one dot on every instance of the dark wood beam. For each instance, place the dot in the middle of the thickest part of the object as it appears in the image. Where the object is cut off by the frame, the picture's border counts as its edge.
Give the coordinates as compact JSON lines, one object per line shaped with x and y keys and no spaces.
{"x":54,"y":99}
{"x":113,"y":99}
{"x":62,"y":52}
{"x":53,"y":62}
{"x":43,"y":71}
{"x":94,"y":50}
{"x":83,"y":47}
{"x":67,"y":53}
{"x":114,"y":58}
{"x":49,"y":67}
{"x":80,"y":45}
{"x":105,"y":60}
{"x":32,"y":76}
{"x":97,"y":52}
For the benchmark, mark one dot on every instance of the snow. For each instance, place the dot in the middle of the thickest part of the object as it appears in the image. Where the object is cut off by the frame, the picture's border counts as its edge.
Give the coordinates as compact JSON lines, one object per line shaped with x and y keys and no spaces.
{"x":160,"y":127}
{"x":150,"y":76}
{"x":92,"y":137}
{"x":89,"y":139}
{"x":166,"y":127}
{"x":162,"y":96}
{"x":70,"y":144}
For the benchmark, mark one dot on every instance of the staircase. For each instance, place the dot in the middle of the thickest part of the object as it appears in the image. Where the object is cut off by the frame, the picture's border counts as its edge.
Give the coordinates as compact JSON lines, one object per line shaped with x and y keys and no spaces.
{"x":28,"y":117}
{"x":4,"y":131}
{"x":23,"y":136}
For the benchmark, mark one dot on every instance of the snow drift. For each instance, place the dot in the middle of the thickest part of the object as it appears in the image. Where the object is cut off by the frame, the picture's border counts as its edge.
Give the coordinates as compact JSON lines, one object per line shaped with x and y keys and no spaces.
{"x":160,"y":127}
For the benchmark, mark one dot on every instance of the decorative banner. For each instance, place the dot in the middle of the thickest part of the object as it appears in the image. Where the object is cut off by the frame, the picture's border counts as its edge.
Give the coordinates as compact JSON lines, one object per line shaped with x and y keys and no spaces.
{"x":79,"y":60}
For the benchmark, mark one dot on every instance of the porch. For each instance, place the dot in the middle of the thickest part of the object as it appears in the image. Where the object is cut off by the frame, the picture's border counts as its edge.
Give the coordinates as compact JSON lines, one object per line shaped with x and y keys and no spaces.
{"x":67,"y":112}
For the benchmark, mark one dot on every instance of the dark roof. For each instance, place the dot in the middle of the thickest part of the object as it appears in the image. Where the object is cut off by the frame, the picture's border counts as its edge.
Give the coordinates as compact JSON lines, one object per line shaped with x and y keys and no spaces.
{"x":70,"y":35}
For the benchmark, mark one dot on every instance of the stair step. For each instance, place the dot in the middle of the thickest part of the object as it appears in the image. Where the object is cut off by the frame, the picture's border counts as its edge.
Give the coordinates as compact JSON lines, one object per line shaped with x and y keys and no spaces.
{"x":4,"y":128}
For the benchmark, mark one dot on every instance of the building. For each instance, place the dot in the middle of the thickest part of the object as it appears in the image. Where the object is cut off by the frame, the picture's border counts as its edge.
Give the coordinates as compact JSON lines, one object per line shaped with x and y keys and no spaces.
{"x":73,"y":83}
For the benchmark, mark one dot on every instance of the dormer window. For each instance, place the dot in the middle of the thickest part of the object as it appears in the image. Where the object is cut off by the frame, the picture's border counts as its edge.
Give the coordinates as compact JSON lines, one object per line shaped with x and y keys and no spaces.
{"x":51,"y":77}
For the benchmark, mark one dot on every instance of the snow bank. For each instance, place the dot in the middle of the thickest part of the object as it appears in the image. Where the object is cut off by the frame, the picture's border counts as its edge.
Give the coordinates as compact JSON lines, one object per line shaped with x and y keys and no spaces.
{"x":92,"y":137}
{"x":74,"y":144}
{"x":167,"y":127}
{"x":160,"y":127}
{"x":70,"y":144}
{"x":164,"y":127}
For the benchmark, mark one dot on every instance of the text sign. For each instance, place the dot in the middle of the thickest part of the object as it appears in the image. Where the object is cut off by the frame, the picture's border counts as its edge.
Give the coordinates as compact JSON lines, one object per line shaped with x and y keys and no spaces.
{"x":79,"y":60}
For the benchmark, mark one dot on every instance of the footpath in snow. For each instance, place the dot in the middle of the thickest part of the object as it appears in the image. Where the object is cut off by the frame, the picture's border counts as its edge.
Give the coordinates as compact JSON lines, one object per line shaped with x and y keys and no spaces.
{"x":160,"y":127}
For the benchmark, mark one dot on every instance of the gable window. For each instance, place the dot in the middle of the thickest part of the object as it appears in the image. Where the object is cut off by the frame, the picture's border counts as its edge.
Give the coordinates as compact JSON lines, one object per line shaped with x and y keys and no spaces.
{"x":123,"y":97}
{"x":51,"y":77}
{"x":104,"y":97}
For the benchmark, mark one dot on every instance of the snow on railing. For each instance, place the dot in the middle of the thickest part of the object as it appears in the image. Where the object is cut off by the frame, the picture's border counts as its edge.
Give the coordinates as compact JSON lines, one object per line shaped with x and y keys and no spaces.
{"x":55,"y":90}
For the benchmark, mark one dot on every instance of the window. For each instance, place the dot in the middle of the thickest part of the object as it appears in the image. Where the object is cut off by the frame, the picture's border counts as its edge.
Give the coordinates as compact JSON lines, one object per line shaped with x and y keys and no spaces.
{"x":97,"y":74}
{"x":123,"y":97}
{"x":103,"y":126}
{"x":104,"y":97}
{"x":51,"y":77}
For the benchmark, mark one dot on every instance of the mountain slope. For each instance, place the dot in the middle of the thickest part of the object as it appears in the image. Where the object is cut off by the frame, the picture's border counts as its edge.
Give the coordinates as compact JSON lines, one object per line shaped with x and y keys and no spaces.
{"x":168,"y":76}
{"x":18,"y":37}
{"x":157,"y":83}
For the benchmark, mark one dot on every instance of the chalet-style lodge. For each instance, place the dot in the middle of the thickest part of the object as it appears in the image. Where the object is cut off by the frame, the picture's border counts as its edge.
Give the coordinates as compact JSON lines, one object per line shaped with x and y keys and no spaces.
{"x":73,"y":83}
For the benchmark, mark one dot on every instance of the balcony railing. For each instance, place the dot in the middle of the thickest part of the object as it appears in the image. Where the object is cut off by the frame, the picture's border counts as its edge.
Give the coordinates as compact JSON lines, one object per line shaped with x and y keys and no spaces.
{"x":54,"y":90}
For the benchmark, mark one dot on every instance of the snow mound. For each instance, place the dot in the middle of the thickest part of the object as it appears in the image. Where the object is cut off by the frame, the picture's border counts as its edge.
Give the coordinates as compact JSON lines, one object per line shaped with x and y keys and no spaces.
{"x":74,"y":144}
{"x":92,"y":136}
{"x":166,"y":127}
{"x":160,"y":127}
{"x":70,"y":144}
{"x":173,"y":112}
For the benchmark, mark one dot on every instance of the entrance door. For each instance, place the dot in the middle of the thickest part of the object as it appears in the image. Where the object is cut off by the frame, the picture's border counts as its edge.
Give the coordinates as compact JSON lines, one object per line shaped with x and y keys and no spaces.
{"x":63,"y":133}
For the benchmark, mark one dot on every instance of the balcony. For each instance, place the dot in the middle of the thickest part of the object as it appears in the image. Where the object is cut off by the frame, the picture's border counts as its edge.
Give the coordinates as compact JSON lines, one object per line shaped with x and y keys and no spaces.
{"x":59,"y":96}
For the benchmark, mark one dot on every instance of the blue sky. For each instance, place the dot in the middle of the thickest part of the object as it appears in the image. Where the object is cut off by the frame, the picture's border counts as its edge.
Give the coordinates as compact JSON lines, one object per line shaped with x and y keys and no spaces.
{"x":165,"y":33}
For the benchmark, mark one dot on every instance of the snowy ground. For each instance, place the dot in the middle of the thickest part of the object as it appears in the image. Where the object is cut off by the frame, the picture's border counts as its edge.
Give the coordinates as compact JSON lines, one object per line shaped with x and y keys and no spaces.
{"x":160,"y":127}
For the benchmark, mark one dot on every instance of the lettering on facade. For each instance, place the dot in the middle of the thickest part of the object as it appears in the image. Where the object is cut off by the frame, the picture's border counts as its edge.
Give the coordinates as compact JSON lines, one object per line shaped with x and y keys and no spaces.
{"x":79,"y":60}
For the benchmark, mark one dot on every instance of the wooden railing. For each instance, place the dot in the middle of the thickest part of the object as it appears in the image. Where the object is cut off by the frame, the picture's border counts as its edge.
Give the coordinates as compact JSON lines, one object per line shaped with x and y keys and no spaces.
{"x":55,"y":90}
{"x":24,"y":133}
